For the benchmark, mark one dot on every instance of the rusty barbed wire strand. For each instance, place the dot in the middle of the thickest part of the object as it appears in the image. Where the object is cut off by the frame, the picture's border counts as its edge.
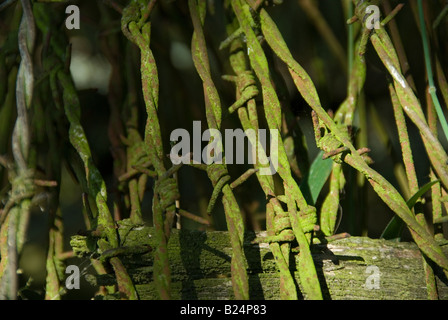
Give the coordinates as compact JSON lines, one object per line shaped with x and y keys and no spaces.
{"x":96,"y":187}
{"x":279,"y":233}
{"x":135,"y":149}
{"x":383,"y":188}
{"x":22,"y":176}
{"x":403,"y":95}
{"x":411,"y":175}
{"x":81,"y":160}
{"x":301,"y":215}
{"x":54,"y":264}
{"x":388,"y":55}
{"x":344,"y":119}
{"x":289,"y":218}
{"x":218,"y":173}
{"x":137,"y":30}
{"x":436,"y":190}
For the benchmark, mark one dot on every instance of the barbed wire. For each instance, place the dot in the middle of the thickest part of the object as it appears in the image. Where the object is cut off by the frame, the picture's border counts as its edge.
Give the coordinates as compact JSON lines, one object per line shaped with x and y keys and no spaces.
{"x":21,"y":175}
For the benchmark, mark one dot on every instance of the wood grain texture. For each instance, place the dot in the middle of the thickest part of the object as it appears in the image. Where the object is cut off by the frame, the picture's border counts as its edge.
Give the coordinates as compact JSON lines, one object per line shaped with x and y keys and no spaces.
{"x":200,"y":266}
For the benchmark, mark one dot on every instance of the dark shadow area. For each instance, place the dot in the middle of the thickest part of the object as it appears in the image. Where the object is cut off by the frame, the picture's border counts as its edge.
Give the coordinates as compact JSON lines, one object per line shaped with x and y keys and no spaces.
{"x":252,"y":253}
{"x":191,"y":245}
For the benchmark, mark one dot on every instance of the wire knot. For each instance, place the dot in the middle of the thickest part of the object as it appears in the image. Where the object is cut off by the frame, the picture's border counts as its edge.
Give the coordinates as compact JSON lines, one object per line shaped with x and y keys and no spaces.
{"x":216,"y":172}
{"x":308,"y":219}
{"x":245,"y":80}
{"x":282,"y":228}
{"x":168,"y":193}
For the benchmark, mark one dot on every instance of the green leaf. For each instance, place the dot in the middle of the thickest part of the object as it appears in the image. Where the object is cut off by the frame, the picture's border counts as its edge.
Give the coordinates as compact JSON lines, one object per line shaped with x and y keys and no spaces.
{"x":393,"y":229}
{"x":314,"y":181}
{"x":395,"y":226}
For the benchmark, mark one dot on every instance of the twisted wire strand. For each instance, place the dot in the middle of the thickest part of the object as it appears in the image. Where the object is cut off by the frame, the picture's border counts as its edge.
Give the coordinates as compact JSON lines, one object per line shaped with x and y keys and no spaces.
{"x":138,"y":31}
{"x":22,"y":177}
{"x":218,"y":172}
{"x":81,"y":157}
{"x":24,"y":88}
{"x":96,"y":186}
{"x":383,"y":188}
{"x":280,"y":233}
{"x":302,"y":216}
